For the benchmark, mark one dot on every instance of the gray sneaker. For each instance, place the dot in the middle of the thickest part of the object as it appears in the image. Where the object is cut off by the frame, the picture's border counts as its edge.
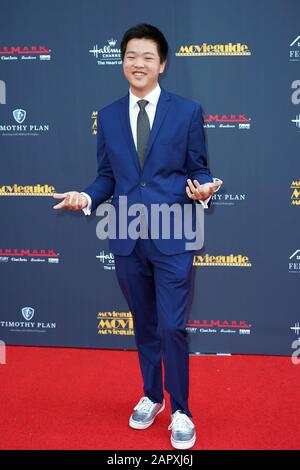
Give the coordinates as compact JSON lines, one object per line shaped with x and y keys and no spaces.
{"x":144,"y":413}
{"x":183,"y":434}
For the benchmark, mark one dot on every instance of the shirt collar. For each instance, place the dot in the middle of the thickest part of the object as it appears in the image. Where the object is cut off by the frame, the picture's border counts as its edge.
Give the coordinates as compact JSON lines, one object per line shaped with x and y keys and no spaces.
{"x":152,"y":97}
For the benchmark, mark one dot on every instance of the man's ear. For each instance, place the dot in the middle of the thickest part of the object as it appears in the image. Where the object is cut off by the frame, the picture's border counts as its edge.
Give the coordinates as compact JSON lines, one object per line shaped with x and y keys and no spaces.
{"x":162,"y":67}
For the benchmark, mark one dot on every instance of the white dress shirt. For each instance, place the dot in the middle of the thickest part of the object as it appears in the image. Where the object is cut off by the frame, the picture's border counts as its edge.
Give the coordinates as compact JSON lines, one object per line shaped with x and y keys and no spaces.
{"x":134,"y":109}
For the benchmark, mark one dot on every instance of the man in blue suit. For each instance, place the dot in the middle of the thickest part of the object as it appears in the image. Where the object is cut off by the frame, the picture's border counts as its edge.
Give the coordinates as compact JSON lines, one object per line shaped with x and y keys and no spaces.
{"x":151,"y":149}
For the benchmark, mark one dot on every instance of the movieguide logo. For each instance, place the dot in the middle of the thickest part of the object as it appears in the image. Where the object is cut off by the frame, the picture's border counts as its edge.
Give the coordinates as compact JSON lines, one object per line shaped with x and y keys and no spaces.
{"x":18,"y":190}
{"x":231,"y":260}
{"x":295,"y":196}
{"x":115,"y":323}
{"x":205,"y":49}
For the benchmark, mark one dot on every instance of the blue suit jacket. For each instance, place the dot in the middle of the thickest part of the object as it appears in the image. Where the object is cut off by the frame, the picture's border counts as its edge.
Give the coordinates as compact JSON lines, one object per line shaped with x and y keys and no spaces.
{"x":176,"y":151}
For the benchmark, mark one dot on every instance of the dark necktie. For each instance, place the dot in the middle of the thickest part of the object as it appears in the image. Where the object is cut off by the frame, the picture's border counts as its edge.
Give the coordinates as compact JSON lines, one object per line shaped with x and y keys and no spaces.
{"x":143,"y":131}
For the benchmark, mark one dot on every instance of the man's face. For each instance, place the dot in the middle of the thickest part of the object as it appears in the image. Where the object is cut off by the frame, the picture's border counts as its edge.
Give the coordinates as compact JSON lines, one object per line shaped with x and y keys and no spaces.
{"x":142,"y":66}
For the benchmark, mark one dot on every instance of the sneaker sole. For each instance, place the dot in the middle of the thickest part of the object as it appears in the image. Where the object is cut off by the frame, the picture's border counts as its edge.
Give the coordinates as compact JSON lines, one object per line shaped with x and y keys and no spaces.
{"x":138,"y":425}
{"x":182,"y":445}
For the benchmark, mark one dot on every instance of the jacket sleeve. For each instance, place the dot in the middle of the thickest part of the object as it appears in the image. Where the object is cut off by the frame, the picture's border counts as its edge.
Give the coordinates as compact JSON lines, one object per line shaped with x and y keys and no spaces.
{"x":103,"y":186}
{"x":197,"y":151}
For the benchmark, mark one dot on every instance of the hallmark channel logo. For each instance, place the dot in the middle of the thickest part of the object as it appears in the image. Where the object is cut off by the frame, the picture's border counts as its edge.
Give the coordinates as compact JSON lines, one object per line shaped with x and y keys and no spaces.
{"x":295,"y":50}
{"x":108,"y":54}
{"x":31,"y":53}
{"x":37,"y":190}
{"x":204,"y":49}
{"x":115,"y":323}
{"x":15,"y":255}
{"x":295,"y":196}
{"x":294,"y":263}
{"x":2,"y":92}
{"x":218,"y":327}
{"x":231,"y":261}
{"x":94,"y":116}
{"x":107,"y":259}
{"x":227,"y":121}
{"x":20,"y":129}
{"x":27,"y":314}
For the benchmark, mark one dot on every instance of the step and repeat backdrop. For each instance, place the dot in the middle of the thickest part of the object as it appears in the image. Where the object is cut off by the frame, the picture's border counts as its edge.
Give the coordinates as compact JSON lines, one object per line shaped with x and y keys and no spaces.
{"x":60,"y":63}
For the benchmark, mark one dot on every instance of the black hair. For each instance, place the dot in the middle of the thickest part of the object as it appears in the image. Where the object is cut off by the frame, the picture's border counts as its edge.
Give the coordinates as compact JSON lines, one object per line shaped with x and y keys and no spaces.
{"x":146,"y":31}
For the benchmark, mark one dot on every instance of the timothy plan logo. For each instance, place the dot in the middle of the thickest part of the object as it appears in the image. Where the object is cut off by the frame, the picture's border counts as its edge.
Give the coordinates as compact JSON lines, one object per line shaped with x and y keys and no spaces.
{"x":31,"y":129}
{"x":19,"y":115}
{"x":2,"y":92}
{"x":26,"y":323}
{"x":27,"y":313}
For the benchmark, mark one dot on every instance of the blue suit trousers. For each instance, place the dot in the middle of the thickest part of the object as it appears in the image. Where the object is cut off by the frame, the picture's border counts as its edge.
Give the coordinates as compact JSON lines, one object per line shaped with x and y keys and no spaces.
{"x":157,"y":288}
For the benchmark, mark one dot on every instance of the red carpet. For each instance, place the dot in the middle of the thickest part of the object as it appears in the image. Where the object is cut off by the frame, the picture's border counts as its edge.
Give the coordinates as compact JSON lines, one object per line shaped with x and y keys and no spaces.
{"x":57,"y":398}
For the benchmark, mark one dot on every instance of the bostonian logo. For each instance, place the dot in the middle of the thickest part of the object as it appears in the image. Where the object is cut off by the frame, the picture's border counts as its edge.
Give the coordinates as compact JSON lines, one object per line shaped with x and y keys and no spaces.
{"x":218,"y":326}
{"x":2,"y":92}
{"x":237,"y":121}
{"x":27,"y":255}
{"x":31,"y":53}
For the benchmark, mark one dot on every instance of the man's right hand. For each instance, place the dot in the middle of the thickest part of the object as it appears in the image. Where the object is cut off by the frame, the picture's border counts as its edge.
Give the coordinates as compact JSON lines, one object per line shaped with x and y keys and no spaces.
{"x":72,"y":200}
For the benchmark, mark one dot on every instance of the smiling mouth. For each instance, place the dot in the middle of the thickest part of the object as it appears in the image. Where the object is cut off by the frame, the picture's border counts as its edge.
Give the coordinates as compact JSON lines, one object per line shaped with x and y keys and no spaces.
{"x":139,"y":74}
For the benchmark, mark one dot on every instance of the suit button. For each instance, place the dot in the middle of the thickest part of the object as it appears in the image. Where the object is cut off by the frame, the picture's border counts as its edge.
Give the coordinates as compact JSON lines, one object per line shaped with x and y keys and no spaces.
{"x":143,"y":184}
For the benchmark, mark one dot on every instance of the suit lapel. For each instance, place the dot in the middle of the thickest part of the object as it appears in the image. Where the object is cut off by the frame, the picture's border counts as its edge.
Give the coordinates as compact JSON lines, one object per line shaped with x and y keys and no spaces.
{"x":161,"y":111}
{"x":124,"y":115}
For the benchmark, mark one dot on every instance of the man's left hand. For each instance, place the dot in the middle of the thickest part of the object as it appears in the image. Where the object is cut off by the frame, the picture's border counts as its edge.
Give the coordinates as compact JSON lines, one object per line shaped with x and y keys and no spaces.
{"x":201,"y":192}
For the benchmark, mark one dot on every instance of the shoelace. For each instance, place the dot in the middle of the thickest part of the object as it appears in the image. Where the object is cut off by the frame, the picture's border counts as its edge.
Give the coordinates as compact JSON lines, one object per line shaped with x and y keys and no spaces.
{"x":145,"y":404}
{"x":181,"y":421}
